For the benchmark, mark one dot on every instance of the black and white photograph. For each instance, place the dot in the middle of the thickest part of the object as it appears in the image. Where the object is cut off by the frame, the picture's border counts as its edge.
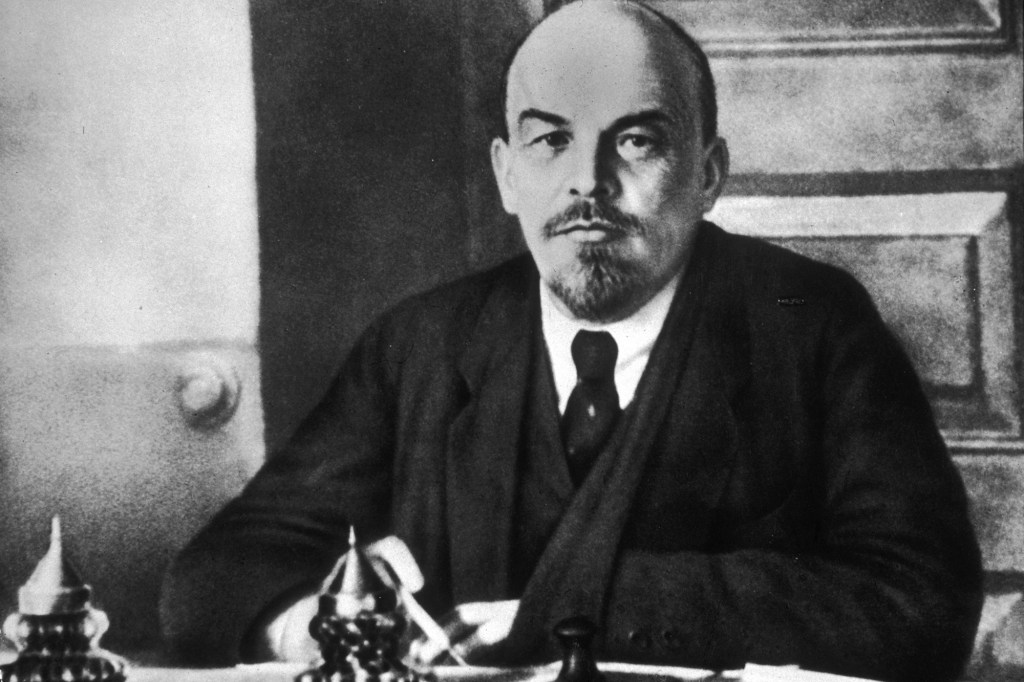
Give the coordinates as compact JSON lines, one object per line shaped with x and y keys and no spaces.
{"x":511,"y":340}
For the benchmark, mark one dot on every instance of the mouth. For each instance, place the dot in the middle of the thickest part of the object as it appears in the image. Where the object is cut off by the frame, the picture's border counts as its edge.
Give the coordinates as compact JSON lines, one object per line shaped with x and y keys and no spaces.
{"x":589,"y":232}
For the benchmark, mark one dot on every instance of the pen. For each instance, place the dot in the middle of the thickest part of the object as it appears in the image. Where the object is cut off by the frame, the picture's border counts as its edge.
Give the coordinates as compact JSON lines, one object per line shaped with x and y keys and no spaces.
{"x":429,"y":626}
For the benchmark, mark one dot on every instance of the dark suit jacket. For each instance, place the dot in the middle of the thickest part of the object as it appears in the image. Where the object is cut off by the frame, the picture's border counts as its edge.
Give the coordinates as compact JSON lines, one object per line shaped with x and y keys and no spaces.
{"x":779,"y":493}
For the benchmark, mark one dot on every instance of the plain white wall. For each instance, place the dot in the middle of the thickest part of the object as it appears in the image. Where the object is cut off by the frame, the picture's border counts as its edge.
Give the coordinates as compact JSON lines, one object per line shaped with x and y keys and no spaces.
{"x":128,"y":263}
{"x":127,"y":196}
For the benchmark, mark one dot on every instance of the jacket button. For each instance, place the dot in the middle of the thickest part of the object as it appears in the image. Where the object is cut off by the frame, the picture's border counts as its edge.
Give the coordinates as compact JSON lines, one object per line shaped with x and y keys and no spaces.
{"x":671,"y":639}
{"x":639,"y":639}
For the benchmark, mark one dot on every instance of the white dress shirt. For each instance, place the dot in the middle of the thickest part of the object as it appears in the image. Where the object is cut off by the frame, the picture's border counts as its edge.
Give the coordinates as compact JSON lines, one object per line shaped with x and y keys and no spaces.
{"x":635,"y":337}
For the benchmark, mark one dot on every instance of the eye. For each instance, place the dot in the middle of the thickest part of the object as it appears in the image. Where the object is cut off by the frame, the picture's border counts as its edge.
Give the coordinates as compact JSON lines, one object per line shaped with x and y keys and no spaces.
{"x":547,"y":145}
{"x":637,"y":146}
{"x":556,"y":139}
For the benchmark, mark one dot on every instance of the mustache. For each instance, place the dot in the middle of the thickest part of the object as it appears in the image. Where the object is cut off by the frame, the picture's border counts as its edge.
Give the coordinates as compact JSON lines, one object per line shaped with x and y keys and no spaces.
{"x":595,"y":213}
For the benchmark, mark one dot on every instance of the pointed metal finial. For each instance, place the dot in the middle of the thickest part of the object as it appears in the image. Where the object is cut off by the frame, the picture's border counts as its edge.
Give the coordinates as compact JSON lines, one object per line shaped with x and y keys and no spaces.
{"x":55,"y":538}
{"x":359,"y":578}
{"x":54,"y":586}
{"x":354,"y":584}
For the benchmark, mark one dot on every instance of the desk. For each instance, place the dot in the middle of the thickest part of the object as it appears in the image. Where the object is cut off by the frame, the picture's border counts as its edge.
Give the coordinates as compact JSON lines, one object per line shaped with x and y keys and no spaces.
{"x":614,"y":672}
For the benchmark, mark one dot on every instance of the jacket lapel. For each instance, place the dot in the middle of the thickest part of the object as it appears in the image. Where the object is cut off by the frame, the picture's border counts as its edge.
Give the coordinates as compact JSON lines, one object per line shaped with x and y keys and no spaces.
{"x":700,"y":437}
{"x":484,"y":439}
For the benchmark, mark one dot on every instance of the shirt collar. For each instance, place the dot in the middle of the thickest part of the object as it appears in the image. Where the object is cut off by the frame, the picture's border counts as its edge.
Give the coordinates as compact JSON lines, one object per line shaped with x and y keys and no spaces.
{"x":634,"y":336}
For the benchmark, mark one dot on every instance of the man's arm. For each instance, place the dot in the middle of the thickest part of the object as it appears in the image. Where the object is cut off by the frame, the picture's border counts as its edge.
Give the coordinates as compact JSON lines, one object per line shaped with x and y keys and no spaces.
{"x":277,"y":540}
{"x":891,"y":587}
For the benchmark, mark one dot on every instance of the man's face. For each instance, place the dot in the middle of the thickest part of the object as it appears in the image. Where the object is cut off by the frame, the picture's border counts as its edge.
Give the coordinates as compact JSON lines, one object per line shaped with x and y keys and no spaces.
{"x":605,"y":166}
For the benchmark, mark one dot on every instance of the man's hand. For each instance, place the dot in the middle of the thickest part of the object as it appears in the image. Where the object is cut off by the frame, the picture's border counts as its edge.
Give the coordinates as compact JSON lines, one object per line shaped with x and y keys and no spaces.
{"x":471,"y":628}
{"x":287,"y":637}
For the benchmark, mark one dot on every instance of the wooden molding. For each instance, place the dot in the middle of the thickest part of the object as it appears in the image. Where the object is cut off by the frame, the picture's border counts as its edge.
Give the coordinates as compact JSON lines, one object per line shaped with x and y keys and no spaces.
{"x":740,"y":28}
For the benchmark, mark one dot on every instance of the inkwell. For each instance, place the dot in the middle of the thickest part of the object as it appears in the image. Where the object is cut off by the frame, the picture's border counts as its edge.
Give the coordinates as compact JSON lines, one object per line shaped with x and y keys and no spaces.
{"x":358,"y":626}
{"x":56,"y":629}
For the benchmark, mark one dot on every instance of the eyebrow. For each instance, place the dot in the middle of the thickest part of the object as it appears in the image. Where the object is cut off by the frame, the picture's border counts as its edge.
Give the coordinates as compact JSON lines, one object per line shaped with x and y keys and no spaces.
{"x":640,"y":118}
{"x":540,"y":115}
{"x":644,"y":117}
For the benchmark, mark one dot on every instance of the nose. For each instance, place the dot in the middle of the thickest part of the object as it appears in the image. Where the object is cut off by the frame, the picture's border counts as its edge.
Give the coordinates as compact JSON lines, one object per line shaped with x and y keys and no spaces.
{"x":592,"y":174}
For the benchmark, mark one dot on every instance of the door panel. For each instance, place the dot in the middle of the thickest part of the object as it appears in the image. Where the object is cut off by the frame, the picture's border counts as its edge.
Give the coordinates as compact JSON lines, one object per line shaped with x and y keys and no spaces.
{"x":939,"y":267}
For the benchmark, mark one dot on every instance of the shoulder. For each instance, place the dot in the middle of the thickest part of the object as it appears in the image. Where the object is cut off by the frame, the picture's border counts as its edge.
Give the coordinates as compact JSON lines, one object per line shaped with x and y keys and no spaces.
{"x":765,"y":266}
{"x":460,"y":302}
{"x":772,"y":277}
{"x":767,"y":304}
{"x":442,"y":319}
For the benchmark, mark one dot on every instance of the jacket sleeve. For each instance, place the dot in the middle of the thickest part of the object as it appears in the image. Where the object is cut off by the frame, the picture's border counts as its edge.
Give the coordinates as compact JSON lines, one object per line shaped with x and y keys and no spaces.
{"x":890,"y":588}
{"x":281,"y":536}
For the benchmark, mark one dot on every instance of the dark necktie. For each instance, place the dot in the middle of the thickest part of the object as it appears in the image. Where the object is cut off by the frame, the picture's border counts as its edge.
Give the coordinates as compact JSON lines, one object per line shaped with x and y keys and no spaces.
{"x":593,"y":406}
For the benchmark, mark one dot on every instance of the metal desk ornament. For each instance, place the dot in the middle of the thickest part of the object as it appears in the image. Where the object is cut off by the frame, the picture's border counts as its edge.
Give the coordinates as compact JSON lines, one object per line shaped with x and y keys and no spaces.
{"x":358,"y":626}
{"x":56,"y":629}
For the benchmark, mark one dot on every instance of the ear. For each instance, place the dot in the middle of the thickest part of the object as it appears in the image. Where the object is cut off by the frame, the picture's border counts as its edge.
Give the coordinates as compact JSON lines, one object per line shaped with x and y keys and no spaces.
{"x":716,"y":170}
{"x":501,"y":163}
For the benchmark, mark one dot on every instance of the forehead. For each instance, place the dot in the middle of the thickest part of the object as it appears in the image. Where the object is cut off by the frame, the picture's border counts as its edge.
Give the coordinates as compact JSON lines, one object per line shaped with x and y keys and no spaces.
{"x":599,"y":62}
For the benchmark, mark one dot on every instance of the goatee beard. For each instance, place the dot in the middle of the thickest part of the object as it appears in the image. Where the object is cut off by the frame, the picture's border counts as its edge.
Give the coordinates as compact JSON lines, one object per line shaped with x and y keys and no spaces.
{"x":604,"y":284}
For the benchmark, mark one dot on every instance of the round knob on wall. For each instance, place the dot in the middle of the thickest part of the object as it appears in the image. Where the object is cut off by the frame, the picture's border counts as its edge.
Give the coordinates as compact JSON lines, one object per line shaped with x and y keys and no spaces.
{"x":208,"y":390}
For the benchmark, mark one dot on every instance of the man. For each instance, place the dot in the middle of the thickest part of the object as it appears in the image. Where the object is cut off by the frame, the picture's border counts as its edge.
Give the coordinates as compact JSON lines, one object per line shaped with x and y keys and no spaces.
{"x":744,"y":470}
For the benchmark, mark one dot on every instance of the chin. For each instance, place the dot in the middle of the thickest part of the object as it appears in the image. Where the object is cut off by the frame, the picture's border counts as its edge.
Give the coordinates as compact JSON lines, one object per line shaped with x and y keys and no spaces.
{"x":601,"y":286}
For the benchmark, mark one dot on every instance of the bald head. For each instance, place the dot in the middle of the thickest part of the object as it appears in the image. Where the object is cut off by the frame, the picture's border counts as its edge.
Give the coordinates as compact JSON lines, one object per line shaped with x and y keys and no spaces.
{"x":609,"y":160}
{"x":592,"y":30}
